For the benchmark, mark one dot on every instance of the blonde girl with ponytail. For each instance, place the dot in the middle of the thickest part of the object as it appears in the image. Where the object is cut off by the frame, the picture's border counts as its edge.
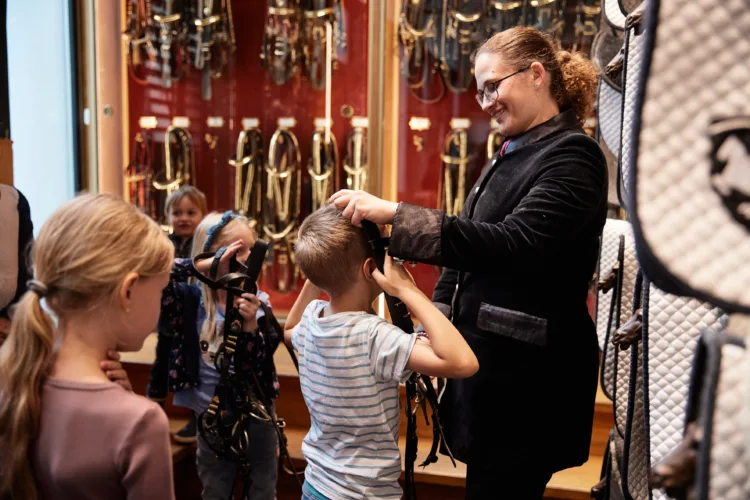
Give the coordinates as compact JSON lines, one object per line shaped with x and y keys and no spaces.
{"x":66,"y":430}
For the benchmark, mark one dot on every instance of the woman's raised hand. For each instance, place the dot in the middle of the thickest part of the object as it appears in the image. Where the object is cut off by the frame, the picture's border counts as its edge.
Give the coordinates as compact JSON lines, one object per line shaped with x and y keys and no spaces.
{"x":358,"y":205}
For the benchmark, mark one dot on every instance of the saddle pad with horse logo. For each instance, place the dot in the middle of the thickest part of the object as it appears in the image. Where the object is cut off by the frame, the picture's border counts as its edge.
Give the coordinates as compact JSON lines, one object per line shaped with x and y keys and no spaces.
{"x":618,"y":267}
{"x":674,"y":325}
{"x":689,"y":195}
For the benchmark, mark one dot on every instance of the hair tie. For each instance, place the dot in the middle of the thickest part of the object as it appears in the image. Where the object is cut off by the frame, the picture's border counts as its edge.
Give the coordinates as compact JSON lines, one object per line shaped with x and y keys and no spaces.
{"x":211,"y":234}
{"x":37,"y":287}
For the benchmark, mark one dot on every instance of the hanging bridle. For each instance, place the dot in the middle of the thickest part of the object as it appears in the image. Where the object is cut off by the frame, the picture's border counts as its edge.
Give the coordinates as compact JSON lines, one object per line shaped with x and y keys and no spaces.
{"x":179,"y":163}
{"x":249,"y":179}
{"x":173,"y":36}
{"x":139,"y":174}
{"x":356,"y":166}
{"x":323,"y":167}
{"x":283,"y":198}
{"x":281,"y":51}
{"x":418,"y":37}
{"x":214,"y":26}
{"x":462,"y":33}
{"x":454,"y":172}
{"x":140,"y":38}
{"x":323,"y":12}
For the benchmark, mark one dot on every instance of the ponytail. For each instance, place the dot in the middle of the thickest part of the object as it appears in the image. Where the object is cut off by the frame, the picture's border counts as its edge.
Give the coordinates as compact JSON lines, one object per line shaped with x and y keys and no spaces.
{"x":577,"y":83}
{"x":24,"y":363}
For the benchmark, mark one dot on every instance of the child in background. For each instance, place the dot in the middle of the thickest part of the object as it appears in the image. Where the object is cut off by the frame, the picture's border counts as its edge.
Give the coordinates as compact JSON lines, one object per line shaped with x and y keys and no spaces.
{"x":184,"y":208}
{"x":351,"y":361}
{"x":66,"y":431}
{"x":196,"y":314}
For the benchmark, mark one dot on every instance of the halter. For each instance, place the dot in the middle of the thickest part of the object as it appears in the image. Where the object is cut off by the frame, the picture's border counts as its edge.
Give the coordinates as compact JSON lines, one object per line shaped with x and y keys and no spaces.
{"x":222,"y":425}
{"x":419,"y":389}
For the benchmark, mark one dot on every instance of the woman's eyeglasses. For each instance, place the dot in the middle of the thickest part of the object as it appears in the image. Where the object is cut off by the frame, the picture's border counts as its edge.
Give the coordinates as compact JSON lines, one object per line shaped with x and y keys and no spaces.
{"x":490,"y":88}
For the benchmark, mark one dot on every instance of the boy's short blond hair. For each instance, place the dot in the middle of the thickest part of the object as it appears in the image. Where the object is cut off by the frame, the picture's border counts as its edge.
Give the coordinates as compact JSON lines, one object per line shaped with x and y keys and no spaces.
{"x":192,"y":193}
{"x":330,"y":250}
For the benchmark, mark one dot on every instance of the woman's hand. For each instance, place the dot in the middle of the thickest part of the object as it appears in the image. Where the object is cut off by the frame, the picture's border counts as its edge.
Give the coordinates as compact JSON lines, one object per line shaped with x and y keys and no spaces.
{"x":395,"y":279}
{"x":114,"y":371}
{"x":360,"y":205}
{"x":248,"y":306}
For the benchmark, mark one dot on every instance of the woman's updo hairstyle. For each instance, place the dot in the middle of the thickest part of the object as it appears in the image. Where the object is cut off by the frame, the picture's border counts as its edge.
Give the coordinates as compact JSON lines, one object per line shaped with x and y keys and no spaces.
{"x":573,"y":76}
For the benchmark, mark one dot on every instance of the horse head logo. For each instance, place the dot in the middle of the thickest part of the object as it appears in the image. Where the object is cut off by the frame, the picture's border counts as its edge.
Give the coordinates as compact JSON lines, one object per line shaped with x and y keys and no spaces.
{"x":730,"y":165}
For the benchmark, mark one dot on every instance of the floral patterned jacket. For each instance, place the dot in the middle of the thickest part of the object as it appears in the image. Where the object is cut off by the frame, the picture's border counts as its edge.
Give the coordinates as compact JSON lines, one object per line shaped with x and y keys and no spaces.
{"x":180,"y":305}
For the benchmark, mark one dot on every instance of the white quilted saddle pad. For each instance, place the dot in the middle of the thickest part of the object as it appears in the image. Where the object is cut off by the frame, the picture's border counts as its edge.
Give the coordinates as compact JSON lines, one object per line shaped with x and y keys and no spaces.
{"x":722,"y":470}
{"x":614,"y":232}
{"x":634,"y":463}
{"x":613,"y":14}
{"x":623,"y":365}
{"x":674,"y":325}
{"x":690,"y":165}
{"x":609,"y":116}
{"x":630,"y":81}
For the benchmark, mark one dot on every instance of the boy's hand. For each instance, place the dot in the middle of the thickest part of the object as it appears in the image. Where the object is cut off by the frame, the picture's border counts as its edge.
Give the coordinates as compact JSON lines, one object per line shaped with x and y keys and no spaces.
{"x":396,"y":279}
{"x":113,"y":369}
{"x":248,"y":306}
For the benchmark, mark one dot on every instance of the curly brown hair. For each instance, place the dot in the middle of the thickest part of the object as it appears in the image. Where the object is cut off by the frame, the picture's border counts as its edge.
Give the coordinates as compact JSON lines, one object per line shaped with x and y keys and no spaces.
{"x":573,"y":76}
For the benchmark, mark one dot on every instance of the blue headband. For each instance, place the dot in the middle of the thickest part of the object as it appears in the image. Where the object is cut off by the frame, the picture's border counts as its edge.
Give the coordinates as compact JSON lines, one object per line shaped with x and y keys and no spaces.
{"x":211,"y":234}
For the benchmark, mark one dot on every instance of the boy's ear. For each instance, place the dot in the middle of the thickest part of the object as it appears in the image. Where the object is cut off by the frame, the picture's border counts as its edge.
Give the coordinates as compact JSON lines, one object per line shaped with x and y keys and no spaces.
{"x":368,"y":267}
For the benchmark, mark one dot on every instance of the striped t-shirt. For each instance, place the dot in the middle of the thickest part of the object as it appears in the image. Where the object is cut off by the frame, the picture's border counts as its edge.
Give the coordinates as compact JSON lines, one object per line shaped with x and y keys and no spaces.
{"x":350,"y":366}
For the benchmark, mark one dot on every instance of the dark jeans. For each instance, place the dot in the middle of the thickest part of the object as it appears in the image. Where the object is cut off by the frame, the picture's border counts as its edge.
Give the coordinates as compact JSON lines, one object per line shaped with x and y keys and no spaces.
{"x":219,"y":475}
{"x":157,"y":382}
{"x":511,"y":481}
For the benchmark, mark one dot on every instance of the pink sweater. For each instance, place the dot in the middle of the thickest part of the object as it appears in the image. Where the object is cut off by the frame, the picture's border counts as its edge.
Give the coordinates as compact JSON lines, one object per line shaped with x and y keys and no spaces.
{"x":100,"y":441}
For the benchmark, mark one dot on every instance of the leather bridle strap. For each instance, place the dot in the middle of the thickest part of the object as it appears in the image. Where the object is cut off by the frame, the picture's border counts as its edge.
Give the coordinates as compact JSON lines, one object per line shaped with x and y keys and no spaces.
{"x":419,"y":388}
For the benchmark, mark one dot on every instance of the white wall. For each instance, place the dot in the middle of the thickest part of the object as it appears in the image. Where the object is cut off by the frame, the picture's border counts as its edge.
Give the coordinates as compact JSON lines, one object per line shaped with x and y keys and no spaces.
{"x":41,"y":105}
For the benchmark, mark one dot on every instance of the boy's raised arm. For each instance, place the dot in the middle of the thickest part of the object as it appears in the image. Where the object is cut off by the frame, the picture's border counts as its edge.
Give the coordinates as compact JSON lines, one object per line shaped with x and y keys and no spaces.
{"x":447,"y":355}
{"x":309,"y":293}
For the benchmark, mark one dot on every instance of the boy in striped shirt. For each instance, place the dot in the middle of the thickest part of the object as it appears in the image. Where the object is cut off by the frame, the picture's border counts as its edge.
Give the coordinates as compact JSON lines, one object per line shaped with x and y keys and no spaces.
{"x":351,"y":361}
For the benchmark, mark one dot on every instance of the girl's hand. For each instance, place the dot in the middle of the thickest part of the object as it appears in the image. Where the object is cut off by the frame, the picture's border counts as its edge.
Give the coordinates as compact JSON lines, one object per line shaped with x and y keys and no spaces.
{"x":248,"y":306}
{"x":231,"y":251}
{"x":113,"y":369}
{"x":360,"y":205}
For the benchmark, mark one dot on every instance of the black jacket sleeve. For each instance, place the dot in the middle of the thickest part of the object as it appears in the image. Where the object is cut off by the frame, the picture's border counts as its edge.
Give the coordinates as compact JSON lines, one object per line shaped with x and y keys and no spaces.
{"x":563,"y":199}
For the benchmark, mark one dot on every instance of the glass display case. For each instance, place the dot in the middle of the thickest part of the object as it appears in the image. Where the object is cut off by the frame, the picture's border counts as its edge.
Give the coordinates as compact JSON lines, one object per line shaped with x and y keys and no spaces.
{"x":261,"y":105}
{"x":269,"y":106}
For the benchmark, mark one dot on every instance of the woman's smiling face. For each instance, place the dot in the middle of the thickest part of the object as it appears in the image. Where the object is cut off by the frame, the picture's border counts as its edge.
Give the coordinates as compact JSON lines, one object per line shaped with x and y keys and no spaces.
{"x":514,"y":104}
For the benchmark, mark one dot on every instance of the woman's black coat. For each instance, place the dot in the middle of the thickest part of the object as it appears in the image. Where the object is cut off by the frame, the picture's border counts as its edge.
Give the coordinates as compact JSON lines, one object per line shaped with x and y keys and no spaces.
{"x":517,"y":263}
